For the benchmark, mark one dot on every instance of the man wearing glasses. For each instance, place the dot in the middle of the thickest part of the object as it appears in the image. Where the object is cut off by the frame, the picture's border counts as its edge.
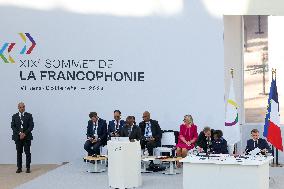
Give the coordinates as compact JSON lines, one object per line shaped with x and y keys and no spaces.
{"x":151,"y":133}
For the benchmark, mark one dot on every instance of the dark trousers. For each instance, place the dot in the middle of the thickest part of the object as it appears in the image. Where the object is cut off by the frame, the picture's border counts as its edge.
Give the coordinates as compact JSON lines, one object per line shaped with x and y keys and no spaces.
{"x":26,"y":145}
{"x":92,"y":148}
{"x":150,"y":145}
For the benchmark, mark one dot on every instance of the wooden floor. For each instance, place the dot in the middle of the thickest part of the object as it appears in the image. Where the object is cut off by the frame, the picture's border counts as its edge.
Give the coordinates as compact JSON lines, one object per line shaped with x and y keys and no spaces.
{"x":9,"y":179}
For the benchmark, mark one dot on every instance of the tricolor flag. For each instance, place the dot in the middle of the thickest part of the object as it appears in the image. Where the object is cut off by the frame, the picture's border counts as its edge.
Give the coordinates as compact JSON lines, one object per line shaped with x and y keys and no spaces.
{"x":232,"y":126}
{"x":272,"y":130}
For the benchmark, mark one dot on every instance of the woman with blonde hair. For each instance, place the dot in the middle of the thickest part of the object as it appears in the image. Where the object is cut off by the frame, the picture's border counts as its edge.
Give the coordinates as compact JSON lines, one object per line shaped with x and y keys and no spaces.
{"x":187,"y":137}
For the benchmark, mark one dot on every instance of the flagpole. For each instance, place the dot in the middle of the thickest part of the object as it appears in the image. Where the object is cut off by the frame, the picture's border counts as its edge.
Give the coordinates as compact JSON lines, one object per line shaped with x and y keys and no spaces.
{"x":273,"y":73}
{"x":276,"y":150}
{"x":235,"y":146}
{"x":276,"y":160}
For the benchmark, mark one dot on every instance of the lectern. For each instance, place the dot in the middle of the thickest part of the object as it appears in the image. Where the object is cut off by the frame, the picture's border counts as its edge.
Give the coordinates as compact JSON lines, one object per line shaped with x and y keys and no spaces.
{"x":124,"y":164}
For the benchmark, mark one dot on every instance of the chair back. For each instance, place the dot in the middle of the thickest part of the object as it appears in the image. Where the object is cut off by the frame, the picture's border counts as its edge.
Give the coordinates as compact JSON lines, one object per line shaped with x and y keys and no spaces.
{"x":168,"y":138}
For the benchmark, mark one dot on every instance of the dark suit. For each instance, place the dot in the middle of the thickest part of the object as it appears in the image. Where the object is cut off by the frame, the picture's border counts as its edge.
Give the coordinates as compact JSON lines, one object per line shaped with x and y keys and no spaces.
{"x":220,"y":146}
{"x":94,"y":148}
{"x":27,"y":127}
{"x":156,"y":133}
{"x":260,"y":143}
{"x":204,"y":142}
{"x":134,"y":134}
{"x":112,"y":126}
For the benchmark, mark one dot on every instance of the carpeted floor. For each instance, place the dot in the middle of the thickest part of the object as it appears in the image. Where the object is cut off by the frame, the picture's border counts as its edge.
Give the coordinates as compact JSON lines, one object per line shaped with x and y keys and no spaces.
{"x":9,"y":179}
{"x":74,"y":175}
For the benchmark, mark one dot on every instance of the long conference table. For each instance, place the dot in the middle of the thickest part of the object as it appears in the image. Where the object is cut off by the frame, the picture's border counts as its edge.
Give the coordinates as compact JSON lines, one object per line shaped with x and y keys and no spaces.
{"x":225,"y":172}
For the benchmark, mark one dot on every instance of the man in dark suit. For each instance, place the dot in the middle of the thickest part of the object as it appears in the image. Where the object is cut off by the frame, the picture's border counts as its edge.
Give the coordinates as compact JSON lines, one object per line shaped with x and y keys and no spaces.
{"x":115,"y":126}
{"x":22,"y":125}
{"x":151,"y":133}
{"x":130,"y":129}
{"x":96,"y":134}
{"x":257,"y":142}
{"x":204,"y":141}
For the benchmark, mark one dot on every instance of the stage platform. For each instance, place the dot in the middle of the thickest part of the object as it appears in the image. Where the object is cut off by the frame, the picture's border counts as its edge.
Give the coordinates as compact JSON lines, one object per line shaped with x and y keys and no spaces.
{"x":74,"y":175}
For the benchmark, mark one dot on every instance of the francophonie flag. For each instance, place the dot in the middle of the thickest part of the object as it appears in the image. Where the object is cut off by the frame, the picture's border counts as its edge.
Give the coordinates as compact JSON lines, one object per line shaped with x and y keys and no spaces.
{"x":231,"y":130}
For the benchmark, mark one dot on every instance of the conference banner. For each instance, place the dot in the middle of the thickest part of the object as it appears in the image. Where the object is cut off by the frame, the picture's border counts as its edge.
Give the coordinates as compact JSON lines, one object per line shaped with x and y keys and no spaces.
{"x":64,"y":65}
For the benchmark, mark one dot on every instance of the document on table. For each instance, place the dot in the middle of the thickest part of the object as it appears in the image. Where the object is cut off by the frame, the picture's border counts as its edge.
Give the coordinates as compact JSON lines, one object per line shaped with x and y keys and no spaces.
{"x":255,"y":151}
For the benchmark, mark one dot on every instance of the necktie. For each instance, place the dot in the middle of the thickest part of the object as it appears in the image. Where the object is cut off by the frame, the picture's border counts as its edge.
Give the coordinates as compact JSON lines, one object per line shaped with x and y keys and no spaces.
{"x":95,"y":128}
{"x":117,"y":126}
{"x":255,"y":144}
{"x":129,"y":131}
{"x":22,"y":122}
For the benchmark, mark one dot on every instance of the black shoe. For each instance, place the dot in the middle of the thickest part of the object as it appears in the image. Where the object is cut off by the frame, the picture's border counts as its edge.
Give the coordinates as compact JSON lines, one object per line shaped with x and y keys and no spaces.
{"x":19,"y":171}
{"x":28,"y":170}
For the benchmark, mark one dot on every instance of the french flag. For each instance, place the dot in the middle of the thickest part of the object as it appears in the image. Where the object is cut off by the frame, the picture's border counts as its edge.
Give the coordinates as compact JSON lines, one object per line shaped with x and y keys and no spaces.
{"x":272,"y":129}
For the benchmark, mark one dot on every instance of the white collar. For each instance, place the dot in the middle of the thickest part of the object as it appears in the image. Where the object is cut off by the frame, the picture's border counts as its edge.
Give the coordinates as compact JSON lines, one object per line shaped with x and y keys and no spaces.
{"x":96,"y":123}
{"x":22,"y":114}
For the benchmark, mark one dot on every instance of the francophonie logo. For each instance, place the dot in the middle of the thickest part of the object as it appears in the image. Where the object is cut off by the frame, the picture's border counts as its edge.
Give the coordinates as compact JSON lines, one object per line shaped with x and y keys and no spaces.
{"x":8,"y":47}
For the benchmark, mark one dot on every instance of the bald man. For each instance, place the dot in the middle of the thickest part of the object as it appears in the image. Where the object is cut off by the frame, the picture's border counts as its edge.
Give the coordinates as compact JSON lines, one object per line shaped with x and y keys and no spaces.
{"x":22,"y":125}
{"x":151,"y":133}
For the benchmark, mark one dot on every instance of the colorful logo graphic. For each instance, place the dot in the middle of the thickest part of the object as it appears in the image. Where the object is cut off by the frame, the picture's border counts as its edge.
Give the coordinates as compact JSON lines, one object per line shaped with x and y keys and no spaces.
{"x":10,"y":46}
{"x":235,"y":105}
{"x":4,"y":47}
{"x":29,"y":51}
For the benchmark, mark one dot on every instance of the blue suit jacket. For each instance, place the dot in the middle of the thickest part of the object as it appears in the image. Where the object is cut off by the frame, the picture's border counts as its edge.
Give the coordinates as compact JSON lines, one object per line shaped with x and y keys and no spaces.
{"x":220,"y":146}
{"x":101,"y":130}
{"x":111,"y":126}
{"x":261,"y":144}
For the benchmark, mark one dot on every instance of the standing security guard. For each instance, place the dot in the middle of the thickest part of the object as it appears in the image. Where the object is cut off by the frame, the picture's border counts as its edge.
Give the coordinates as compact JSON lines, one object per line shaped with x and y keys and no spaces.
{"x":22,"y":124}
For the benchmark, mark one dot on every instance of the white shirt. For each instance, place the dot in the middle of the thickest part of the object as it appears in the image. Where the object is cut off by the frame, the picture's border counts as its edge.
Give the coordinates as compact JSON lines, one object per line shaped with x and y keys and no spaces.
{"x":148,"y":131}
{"x":130,"y":129}
{"x":117,"y":124}
{"x":96,"y":124}
{"x":22,"y":113}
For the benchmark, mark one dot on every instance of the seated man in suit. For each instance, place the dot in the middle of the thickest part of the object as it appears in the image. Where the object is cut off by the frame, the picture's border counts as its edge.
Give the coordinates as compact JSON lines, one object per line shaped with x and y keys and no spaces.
{"x":219,"y":144}
{"x":257,"y":142}
{"x":96,"y":134}
{"x":204,"y":141}
{"x":115,"y":125}
{"x":130,"y":129}
{"x":151,"y":133}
